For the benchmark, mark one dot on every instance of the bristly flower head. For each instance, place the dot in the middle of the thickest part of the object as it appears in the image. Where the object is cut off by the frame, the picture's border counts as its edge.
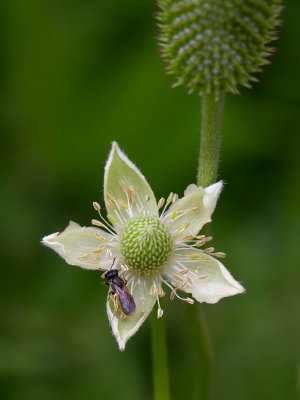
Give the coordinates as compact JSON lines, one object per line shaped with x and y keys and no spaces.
{"x":149,"y":247}
{"x":213,"y":46}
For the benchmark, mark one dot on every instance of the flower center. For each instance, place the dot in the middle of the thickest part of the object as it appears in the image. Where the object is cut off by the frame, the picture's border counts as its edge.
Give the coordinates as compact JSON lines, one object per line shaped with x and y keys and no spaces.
{"x":146,"y":244}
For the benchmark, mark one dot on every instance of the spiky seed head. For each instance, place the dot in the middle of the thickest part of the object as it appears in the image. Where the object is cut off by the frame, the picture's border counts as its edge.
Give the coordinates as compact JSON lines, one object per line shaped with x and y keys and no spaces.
{"x":216,"y":45}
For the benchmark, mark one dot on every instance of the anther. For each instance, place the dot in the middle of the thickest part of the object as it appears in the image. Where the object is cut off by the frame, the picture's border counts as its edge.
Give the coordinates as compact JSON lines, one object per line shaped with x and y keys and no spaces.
{"x":161,"y":293}
{"x":175,"y":198}
{"x":170,"y":198}
{"x":219,"y":254}
{"x":99,"y":237}
{"x":188,"y":237}
{"x":152,"y":291}
{"x":124,"y":267}
{"x":161,"y":203}
{"x":173,"y":215}
{"x":95,"y":256}
{"x":96,"y":222}
{"x":111,"y":219}
{"x":96,"y":206}
{"x":209,"y":250}
{"x":160,"y":312}
{"x":189,"y":281}
{"x":110,"y":195}
{"x":178,"y":278}
{"x":172,"y":295}
{"x":203,"y":277}
{"x":123,"y":185}
{"x":98,"y":251}
{"x":110,"y":204}
{"x":194,"y":256}
{"x":200,"y":237}
{"x":84,"y":256}
{"x":208,"y":238}
{"x":108,"y":253}
{"x":132,"y":190}
{"x":194,"y":207}
{"x":188,"y":300}
{"x":183,"y":228}
{"x":184,"y":271}
{"x":131,"y":198}
{"x":199,"y":243}
{"x":122,"y":203}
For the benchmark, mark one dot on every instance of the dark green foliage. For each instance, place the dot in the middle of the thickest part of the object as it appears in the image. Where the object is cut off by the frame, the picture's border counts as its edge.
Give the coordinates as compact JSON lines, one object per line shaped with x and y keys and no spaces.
{"x":216,"y":45}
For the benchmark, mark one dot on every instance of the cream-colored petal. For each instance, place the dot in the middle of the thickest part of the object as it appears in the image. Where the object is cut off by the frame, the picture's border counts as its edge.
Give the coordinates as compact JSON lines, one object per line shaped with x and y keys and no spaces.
{"x":207,"y":280}
{"x":138,"y":200}
{"x":81,"y":246}
{"x":188,"y":215}
{"x":124,"y":328}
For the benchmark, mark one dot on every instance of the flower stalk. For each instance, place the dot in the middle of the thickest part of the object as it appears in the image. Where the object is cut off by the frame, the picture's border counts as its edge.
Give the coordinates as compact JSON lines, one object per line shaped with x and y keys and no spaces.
{"x":210,"y":139}
{"x":203,"y":350}
{"x":209,"y":156}
{"x":160,"y":371}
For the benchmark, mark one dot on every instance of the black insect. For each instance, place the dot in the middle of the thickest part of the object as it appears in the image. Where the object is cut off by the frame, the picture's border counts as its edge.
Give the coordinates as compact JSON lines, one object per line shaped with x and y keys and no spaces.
{"x":119,"y":292}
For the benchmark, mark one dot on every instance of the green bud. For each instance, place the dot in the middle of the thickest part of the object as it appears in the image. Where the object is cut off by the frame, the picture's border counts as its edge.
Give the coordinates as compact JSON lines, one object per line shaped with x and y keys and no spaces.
{"x":215,"y":45}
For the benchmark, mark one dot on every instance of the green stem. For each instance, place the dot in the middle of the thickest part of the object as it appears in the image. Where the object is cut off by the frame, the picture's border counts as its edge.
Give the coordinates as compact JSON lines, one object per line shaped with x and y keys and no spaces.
{"x":210,"y":142}
{"x":203,"y":350}
{"x":160,"y":370}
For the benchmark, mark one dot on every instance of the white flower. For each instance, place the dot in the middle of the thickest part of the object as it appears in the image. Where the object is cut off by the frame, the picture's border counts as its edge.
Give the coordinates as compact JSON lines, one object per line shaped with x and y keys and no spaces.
{"x":149,"y":248}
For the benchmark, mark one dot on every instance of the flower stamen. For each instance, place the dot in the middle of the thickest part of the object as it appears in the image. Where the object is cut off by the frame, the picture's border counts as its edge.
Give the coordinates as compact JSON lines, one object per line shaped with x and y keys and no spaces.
{"x":106,"y":225}
{"x":174,"y":292}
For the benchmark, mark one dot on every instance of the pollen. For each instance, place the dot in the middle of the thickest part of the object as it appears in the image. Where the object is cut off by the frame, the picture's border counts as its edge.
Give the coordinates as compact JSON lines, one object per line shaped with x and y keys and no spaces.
{"x":146,"y":244}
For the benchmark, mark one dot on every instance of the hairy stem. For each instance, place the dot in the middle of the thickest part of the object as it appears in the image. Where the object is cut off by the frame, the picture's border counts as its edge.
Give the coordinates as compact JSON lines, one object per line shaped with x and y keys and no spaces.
{"x":160,"y":372}
{"x":210,"y":142}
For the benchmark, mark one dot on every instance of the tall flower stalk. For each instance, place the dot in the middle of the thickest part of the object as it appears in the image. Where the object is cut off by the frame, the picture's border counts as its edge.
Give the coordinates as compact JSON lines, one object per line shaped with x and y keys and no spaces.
{"x":213,"y":47}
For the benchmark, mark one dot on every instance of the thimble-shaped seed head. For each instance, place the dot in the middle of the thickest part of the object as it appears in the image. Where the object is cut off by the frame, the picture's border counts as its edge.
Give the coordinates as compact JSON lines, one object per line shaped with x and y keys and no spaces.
{"x":216,"y":45}
{"x":146,"y":244}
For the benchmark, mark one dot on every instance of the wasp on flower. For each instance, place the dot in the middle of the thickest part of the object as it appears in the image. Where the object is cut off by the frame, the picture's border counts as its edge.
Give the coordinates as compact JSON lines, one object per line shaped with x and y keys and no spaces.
{"x":119,"y":292}
{"x":153,"y":244}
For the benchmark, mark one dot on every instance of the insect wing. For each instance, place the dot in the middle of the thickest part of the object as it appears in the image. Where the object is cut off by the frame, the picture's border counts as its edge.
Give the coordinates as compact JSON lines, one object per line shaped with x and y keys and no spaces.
{"x":126,"y":300}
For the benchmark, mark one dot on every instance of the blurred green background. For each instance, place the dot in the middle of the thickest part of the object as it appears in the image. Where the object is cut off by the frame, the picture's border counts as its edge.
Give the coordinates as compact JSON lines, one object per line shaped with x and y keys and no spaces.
{"x":76,"y":75}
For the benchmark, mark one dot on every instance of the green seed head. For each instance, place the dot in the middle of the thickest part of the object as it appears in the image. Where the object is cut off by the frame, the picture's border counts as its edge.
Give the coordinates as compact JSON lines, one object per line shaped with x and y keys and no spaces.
{"x":216,"y":45}
{"x":146,"y":244}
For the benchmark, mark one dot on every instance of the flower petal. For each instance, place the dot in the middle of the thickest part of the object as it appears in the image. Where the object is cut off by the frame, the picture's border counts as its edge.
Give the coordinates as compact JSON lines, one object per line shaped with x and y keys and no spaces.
{"x":207,"y":280}
{"x":81,"y":246}
{"x":124,"y":328}
{"x":188,"y":214}
{"x":127,"y":193}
